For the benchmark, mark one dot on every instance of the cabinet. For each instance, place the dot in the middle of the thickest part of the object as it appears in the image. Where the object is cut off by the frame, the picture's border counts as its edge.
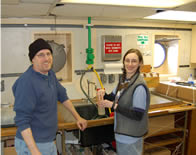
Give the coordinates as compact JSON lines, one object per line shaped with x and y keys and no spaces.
{"x":167,"y":132}
{"x":179,"y":137}
{"x":193,"y":47}
{"x":191,"y":149}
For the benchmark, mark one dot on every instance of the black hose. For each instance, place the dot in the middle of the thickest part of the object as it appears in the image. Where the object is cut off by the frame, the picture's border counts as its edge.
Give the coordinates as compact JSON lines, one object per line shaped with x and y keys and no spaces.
{"x":96,"y":116}
{"x":84,"y":90}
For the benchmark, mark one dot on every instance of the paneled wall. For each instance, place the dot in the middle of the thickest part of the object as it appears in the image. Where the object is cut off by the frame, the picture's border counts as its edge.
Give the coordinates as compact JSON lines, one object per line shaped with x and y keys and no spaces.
{"x":15,"y":40}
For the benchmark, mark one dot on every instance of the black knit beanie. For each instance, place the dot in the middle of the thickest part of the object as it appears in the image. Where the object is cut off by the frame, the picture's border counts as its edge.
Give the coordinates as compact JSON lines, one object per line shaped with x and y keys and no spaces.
{"x":36,"y":46}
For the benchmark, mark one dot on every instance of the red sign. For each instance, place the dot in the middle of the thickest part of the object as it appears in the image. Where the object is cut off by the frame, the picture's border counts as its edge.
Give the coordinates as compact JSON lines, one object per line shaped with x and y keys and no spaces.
{"x":113,"y":47}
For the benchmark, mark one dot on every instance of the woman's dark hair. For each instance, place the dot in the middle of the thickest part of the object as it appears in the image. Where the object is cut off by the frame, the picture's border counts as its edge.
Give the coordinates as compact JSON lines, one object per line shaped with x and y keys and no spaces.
{"x":140,"y":57}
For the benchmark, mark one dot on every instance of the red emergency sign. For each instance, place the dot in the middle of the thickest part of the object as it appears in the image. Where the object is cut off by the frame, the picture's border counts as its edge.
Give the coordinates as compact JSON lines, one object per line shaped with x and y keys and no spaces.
{"x":113,"y":47}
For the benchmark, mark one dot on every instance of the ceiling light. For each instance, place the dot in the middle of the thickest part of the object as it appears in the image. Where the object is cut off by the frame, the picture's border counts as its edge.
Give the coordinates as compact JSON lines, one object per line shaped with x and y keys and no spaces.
{"x":174,"y":15}
{"x":139,"y":3}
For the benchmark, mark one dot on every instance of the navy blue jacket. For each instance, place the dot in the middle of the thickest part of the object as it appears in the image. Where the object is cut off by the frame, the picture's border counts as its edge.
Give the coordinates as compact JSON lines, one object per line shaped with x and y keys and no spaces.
{"x":36,"y":97}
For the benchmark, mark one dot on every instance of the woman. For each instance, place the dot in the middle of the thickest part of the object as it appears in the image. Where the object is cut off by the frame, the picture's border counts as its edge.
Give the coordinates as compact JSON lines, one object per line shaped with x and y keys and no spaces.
{"x":130,"y":101}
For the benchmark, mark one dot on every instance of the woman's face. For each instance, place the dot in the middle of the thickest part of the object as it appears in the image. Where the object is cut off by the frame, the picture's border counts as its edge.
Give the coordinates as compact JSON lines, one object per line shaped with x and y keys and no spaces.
{"x":131,"y":64}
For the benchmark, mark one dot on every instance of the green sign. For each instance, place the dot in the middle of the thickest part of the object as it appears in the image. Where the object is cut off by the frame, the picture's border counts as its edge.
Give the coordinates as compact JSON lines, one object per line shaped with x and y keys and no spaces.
{"x":142,"y":39}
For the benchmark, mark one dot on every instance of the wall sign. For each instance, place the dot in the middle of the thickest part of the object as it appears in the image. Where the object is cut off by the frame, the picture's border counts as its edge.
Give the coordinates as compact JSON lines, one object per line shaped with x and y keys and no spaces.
{"x":113,"y":47}
{"x":142,"y":39}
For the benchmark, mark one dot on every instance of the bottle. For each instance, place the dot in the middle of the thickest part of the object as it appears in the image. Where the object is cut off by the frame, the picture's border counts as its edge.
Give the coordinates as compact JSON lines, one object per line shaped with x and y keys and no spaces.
{"x":190,"y":80}
{"x":101,"y":110}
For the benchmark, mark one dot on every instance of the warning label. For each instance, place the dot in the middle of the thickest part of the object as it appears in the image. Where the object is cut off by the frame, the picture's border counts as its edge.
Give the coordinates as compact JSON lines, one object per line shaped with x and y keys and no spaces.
{"x":113,"y":47}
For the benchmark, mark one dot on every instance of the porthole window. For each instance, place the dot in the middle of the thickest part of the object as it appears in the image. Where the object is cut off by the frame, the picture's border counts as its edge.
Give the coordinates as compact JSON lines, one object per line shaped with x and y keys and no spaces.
{"x":159,"y":55}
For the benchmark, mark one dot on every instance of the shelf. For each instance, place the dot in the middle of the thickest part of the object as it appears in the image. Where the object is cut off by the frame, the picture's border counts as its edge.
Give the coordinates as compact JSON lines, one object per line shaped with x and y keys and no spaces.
{"x":162,"y":143}
{"x":164,"y":132}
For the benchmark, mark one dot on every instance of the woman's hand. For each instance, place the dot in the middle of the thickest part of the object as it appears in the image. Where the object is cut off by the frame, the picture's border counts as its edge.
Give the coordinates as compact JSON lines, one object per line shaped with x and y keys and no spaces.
{"x":105,"y":103}
{"x":100,"y":94}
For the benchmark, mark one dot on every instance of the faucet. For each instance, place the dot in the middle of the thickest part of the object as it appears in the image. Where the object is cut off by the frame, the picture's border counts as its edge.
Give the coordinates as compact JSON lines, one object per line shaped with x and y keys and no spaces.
{"x":91,"y":83}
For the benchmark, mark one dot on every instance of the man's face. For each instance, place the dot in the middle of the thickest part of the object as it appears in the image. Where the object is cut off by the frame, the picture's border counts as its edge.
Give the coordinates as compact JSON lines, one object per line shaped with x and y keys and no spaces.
{"x":42,"y":61}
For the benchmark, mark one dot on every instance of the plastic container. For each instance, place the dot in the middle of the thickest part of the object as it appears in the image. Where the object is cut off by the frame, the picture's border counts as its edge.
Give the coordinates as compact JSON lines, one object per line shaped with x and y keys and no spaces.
{"x":101,"y":110}
{"x":190,"y":80}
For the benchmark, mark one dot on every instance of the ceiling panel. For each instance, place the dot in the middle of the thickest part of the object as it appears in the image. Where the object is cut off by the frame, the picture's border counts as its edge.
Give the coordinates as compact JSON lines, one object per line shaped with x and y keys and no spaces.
{"x":187,"y":7}
{"x":127,"y":12}
{"x":37,"y":1}
{"x":102,"y":11}
{"x":42,"y":8}
{"x":24,"y":10}
{"x":9,"y":1}
{"x":78,"y":10}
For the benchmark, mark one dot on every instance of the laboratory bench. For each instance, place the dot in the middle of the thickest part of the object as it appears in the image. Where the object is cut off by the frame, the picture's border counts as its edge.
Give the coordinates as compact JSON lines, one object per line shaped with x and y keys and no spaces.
{"x":172,"y":121}
{"x":155,"y":112}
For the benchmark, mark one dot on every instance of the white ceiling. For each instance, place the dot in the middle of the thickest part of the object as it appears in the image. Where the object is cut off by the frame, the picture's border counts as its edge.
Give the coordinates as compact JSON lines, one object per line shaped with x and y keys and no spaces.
{"x":50,"y":8}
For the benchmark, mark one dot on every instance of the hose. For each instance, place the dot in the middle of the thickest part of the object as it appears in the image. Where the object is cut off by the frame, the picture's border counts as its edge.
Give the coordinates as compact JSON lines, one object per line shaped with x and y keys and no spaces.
{"x":84,"y":90}
{"x":100,"y":84}
{"x":96,"y":116}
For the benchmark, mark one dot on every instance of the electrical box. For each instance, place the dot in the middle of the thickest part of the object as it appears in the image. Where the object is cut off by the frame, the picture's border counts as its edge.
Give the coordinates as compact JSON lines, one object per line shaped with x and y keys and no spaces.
{"x":103,"y":78}
{"x":111,"y":78}
{"x":111,"y":47}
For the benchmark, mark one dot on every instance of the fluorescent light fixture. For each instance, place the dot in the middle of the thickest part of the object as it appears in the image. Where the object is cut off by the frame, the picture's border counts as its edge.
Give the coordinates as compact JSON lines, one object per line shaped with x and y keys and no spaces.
{"x":174,"y":15}
{"x":139,"y":3}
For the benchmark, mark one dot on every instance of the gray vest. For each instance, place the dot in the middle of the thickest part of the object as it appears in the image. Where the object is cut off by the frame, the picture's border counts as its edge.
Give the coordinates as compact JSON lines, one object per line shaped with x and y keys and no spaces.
{"x":128,"y":126}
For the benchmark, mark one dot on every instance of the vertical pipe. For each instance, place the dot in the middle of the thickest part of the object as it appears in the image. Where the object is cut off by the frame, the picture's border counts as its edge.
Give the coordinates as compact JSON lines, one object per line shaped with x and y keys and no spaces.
{"x":89,"y":50}
{"x":89,"y":33}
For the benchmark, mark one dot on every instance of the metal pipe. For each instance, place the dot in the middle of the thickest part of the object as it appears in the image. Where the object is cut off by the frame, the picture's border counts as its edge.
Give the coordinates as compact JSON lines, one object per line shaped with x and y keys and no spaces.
{"x":89,"y":33}
{"x":89,"y":50}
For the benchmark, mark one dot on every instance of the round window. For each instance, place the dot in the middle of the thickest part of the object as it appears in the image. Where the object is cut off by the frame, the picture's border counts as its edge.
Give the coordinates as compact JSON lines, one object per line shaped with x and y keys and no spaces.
{"x":159,"y":55}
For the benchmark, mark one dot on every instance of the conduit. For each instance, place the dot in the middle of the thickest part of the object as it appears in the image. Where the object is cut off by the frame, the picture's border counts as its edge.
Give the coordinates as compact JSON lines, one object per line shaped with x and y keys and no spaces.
{"x":90,"y":61}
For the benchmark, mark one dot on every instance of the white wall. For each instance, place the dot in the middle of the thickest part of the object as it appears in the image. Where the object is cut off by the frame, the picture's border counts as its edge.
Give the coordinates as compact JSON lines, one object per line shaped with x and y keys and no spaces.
{"x":15,"y":42}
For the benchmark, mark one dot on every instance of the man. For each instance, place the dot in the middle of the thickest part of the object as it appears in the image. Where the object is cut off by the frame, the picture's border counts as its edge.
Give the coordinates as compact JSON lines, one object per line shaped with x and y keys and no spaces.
{"x":36,"y":94}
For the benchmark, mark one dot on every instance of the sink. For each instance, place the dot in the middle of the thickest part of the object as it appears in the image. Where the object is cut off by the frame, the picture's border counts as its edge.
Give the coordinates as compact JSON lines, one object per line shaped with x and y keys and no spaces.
{"x":7,"y":117}
{"x":90,"y":136}
{"x":95,"y":135}
{"x":87,"y":111}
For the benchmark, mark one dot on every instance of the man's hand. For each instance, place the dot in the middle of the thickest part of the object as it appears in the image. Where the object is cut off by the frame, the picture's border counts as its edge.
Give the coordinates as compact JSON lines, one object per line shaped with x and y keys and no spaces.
{"x":81,"y":123}
{"x":29,"y":140}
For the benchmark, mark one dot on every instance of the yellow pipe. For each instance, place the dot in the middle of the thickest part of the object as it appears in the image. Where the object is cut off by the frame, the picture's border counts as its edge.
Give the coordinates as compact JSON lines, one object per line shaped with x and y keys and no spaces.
{"x":98,"y":78}
{"x":89,"y":67}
